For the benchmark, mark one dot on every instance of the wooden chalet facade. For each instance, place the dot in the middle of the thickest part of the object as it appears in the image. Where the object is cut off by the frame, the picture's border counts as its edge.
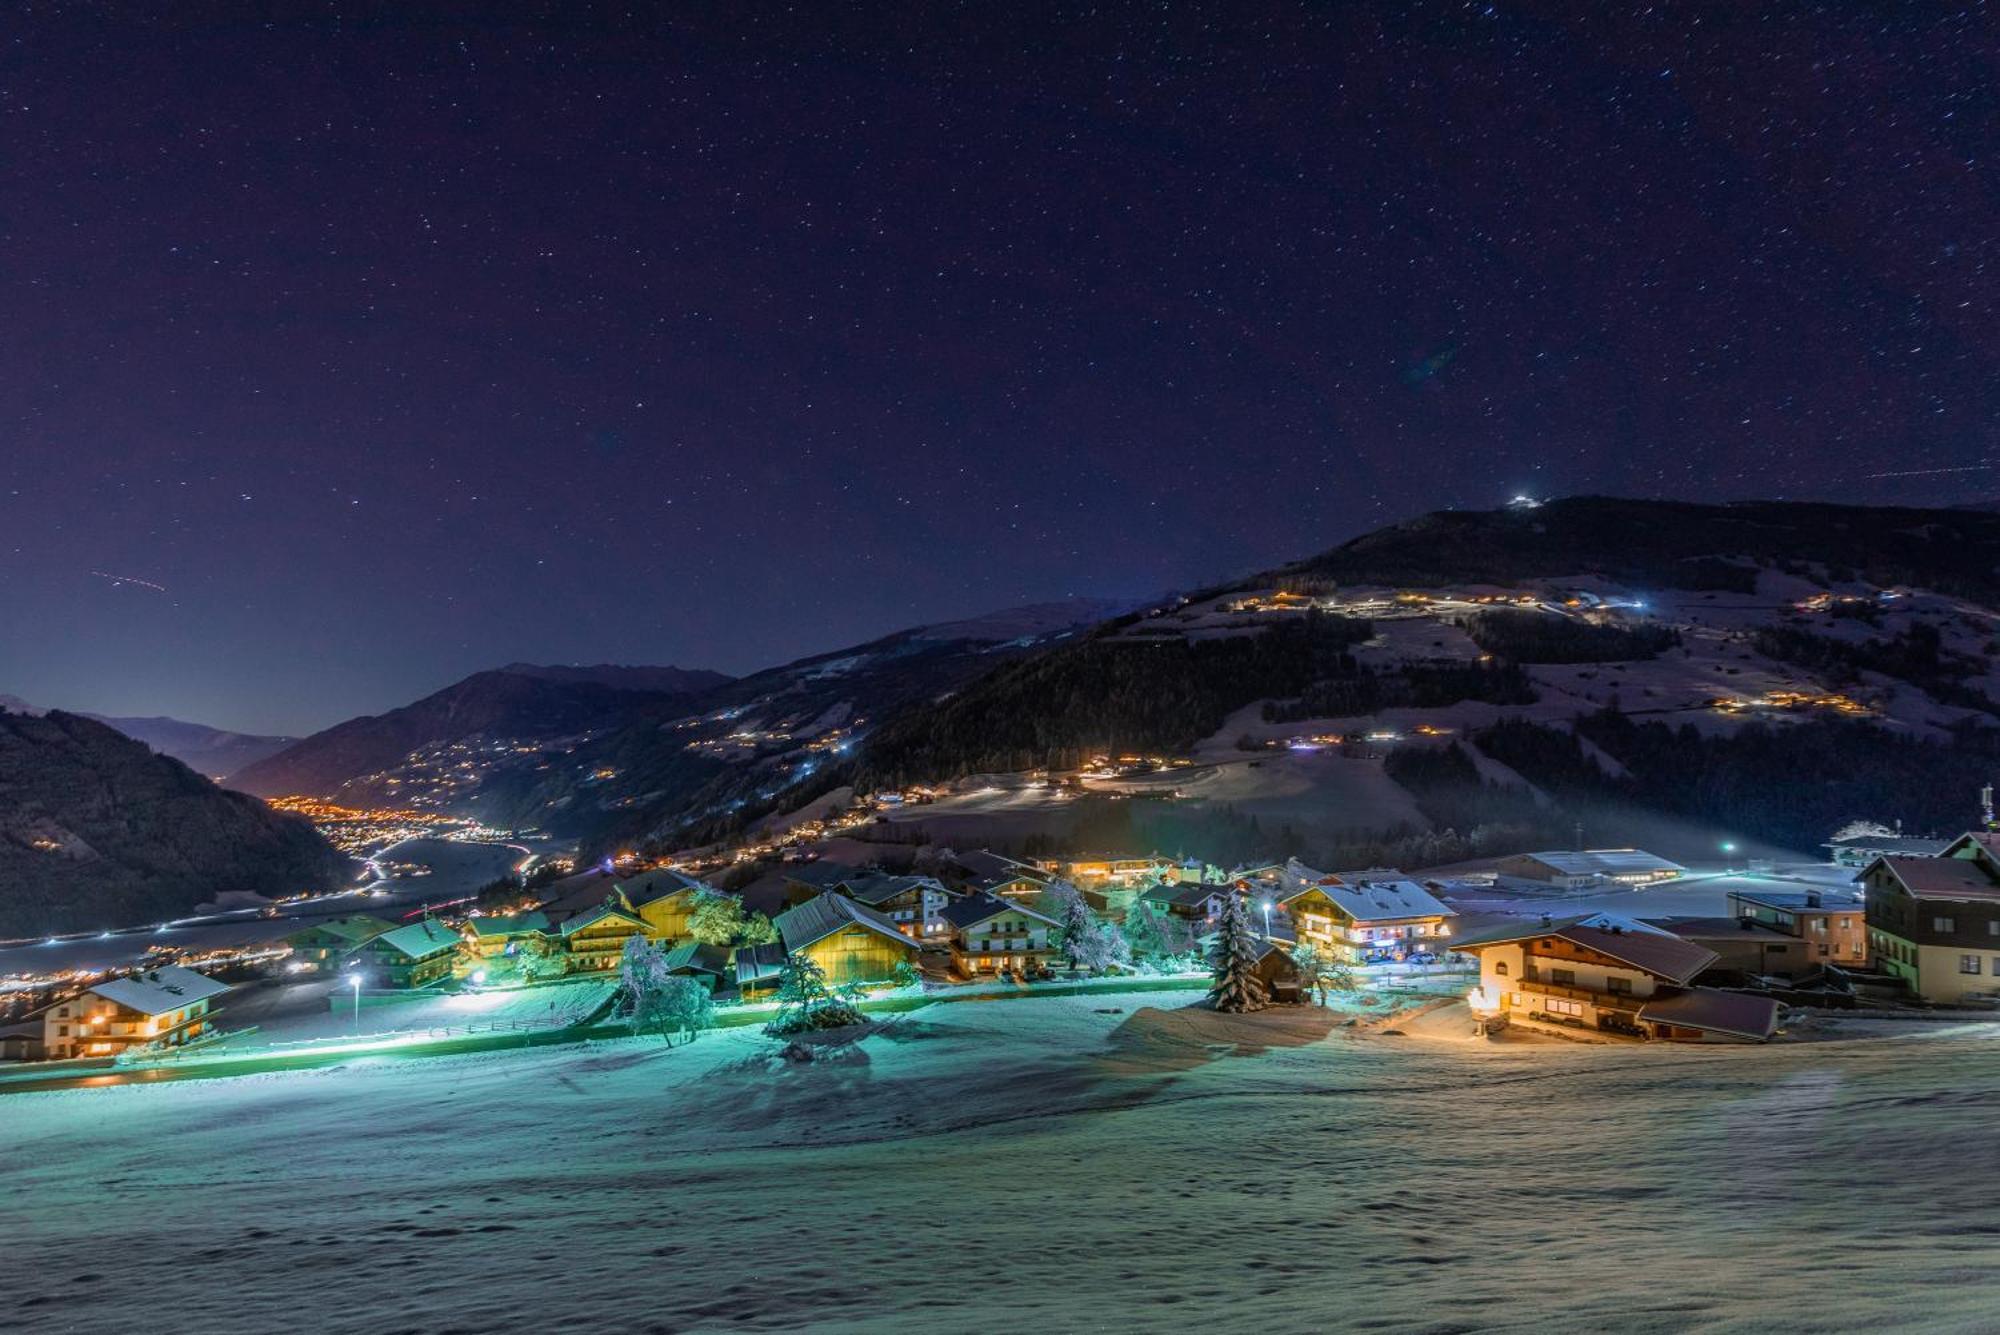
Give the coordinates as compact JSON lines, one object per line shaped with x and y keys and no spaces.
{"x":164,"y":1007}
{"x":326,"y":944}
{"x":664,"y":900}
{"x":1612,"y":975}
{"x":418,"y":955}
{"x":851,"y":942}
{"x":497,"y":935}
{"x":595,"y":939}
{"x":991,"y":935}
{"x":1378,"y":916}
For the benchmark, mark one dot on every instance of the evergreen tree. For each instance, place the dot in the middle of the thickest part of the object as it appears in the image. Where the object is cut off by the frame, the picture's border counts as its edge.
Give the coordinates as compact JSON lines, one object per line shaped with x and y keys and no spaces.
{"x":1233,"y":958}
{"x":1078,"y":937}
{"x":805,"y":1002}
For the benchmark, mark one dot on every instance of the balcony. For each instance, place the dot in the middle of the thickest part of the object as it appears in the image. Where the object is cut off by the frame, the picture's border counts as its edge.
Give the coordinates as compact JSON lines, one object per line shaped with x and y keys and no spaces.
{"x":1620,"y":1001}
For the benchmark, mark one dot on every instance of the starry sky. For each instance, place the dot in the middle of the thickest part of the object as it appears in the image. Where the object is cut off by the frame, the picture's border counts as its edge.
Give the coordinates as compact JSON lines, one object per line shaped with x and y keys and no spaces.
{"x":341,"y":356}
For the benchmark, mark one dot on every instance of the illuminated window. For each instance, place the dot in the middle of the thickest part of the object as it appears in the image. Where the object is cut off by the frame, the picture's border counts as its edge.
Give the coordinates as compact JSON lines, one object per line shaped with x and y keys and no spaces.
{"x":1968,"y":964}
{"x":1500,"y":968}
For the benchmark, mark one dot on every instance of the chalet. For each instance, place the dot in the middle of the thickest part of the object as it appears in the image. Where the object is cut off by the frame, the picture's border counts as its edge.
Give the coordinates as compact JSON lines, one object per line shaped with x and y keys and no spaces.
{"x":1195,"y":901}
{"x":1935,"y":921}
{"x":1742,"y":946}
{"x":163,"y":1007}
{"x":1282,"y":982}
{"x":997,"y":875}
{"x":991,"y":935}
{"x":1364,"y":917}
{"x":416,"y":955}
{"x":707,"y":964}
{"x":325,"y":944}
{"x":851,"y":942}
{"x":497,"y":935}
{"x":1859,"y":850}
{"x":916,"y":904}
{"x":23,"y":1042}
{"x":1591,"y":866}
{"x":1609,"y":973}
{"x":594,"y":940}
{"x":1832,"y":925}
{"x":664,"y":900}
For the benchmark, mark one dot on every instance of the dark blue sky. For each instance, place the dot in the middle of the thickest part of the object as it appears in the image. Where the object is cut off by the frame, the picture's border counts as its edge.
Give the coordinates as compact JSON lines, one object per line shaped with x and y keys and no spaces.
{"x":393,"y":348}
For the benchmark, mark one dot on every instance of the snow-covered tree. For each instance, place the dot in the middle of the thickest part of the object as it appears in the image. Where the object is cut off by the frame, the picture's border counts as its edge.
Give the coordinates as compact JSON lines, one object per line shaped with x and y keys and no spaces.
{"x":758,"y":930}
{"x":1077,"y":935}
{"x":805,"y":1002}
{"x":1312,"y":967}
{"x":1863,"y":829}
{"x":717,"y":919}
{"x":658,"y":1002}
{"x":1233,"y":959}
{"x":1155,"y":934}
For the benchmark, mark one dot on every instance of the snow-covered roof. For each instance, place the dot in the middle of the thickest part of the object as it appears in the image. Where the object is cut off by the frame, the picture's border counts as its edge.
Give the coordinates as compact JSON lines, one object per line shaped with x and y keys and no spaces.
{"x":700,"y":957}
{"x":599,"y":914}
{"x":509,"y":924}
{"x":1705,"y":1008}
{"x":353,"y":929}
{"x":1384,"y":896}
{"x":1907,"y":845}
{"x":976,"y":908}
{"x":1646,"y":948}
{"x":158,"y":991}
{"x":757,"y":964}
{"x":1605,"y":862}
{"x":1942,"y":878}
{"x":817,"y":919}
{"x":874,"y":888}
{"x":419,"y":939}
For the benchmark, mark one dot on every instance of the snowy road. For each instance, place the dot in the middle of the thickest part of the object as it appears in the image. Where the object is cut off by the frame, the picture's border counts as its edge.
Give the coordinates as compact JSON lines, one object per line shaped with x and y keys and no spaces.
{"x":1036,"y":1165}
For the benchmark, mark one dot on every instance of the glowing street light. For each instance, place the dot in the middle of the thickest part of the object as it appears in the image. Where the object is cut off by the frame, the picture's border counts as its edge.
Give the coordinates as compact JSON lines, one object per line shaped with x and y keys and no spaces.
{"x":1267,"y":919}
{"x":354,"y":981}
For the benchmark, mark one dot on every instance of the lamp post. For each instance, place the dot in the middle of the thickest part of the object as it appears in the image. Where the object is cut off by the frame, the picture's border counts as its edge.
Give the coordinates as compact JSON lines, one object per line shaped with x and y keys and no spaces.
{"x":1267,"y":920}
{"x":354,"y":981}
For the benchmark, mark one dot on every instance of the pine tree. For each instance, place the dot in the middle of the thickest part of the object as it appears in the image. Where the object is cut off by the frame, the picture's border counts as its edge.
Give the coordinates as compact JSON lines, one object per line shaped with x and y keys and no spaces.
{"x":1078,"y":937}
{"x":805,"y":1002}
{"x":1233,"y":958}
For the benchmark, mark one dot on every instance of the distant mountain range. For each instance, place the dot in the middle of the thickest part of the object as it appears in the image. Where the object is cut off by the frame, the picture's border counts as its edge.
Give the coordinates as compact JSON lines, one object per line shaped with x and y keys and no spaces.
{"x":215,"y":752}
{"x":96,"y":830}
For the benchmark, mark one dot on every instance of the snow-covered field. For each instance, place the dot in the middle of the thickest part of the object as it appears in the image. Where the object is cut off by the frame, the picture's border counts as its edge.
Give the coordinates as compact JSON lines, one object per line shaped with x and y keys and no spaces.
{"x":1028,"y":1165}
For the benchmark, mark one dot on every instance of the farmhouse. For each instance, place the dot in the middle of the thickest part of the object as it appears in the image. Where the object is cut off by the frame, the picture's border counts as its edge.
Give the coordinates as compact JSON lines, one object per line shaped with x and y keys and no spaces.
{"x":1935,"y":922}
{"x":324,"y":944}
{"x":414,"y":956}
{"x":163,"y":1007}
{"x":1609,"y":973}
{"x":664,"y":900}
{"x":916,"y":904}
{"x":496,"y":935}
{"x":991,"y":935}
{"x":595,"y":939}
{"x":851,"y":942}
{"x":1832,"y":927}
{"x":1365,"y":917}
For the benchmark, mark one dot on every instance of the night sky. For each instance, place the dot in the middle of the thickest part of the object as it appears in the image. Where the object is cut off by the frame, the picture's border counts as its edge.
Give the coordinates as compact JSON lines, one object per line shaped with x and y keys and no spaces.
{"x":391,"y":348}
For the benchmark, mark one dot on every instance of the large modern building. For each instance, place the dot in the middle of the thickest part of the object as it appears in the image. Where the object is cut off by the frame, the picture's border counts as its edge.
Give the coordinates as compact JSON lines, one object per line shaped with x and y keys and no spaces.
{"x":1608,"y":973}
{"x":1935,"y":921}
{"x":1591,"y":866}
{"x":163,"y":1007}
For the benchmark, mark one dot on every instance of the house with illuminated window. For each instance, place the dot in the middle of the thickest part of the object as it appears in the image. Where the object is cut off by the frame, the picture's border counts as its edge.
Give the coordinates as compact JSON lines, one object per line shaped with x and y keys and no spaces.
{"x":417,"y":955}
{"x":991,"y":935}
{"x":1935,"y":921}
{"x":916,"y":904}
{"x":595,"y":938}
{"x":1830,"y":925}
{"x":325,"y":944}
{"x":1376,"y":916}
{"x":1003,"y":876}
{"x":1607,"y":973}
{"x":164,"y":1007}
{"x":497,"y":935}
{"x":851,"y":942}
{"x":664,"y":900}
{"x":1196,"y":902}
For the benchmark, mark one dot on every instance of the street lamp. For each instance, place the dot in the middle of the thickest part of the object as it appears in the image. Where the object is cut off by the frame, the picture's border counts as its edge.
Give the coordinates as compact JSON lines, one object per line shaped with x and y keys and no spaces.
{"x":1267,"y":920}
{"x":354,"y":981}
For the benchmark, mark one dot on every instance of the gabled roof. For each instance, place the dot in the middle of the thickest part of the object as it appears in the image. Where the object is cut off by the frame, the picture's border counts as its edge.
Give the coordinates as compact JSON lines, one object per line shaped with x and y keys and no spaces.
{"x":1903,"y":844}
{"x":419,"y":940}
{"x":1380,"y":897}
{"x":817,"y":919}
{"x":758,"y":964}
{"x":1721,"y":929}
{"x":1830,"y":901}
{"x":599,"y":914}
{"x":1185,"y":895}
{"x":1941,"y":878}
{"x":873,"y":888}
{"x":352,"y":929}
{"x":1715,"y":1012}
{"x":158,"y":991}
{"x":661,"y":883}
{"x":979,"y":907}
{"x":823,"y":875}
{"x":986,"y":870}
{"x":1648,"y":949}
{"x":509,"y":924}
{"x":699,"y":957}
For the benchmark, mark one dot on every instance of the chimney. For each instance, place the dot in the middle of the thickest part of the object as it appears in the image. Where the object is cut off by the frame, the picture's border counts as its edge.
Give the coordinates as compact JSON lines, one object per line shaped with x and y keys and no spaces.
{"x":1812,"y":899}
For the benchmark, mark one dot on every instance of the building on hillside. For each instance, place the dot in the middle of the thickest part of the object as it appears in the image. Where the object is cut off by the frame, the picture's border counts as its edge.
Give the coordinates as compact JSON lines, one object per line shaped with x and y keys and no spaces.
{"x":1861,"y":849}
{"x":1833,"y":925}
{"x":1609,"y":973}
{"x":1591,"y":866}
{"x":495,"y":935}
{"x":164,"y":1007}
{"x":1097,"y":869}
{"x":916,"y":904}
{"x":23,"y":1041}
{"x":1375,"y":916}
{"x":997,"y":875}
{"x":595,"y":940}
{"x":416,"y":955}
{"x":1742,"y":946}
{"x":707,"y":964}
{"x":1195,"y":901}
{"x":323,"y":945}
{"x":664,"y":900}
{"x":851,"y":942}
{"x":1935,"y":921}
{"x":991,"y":935}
